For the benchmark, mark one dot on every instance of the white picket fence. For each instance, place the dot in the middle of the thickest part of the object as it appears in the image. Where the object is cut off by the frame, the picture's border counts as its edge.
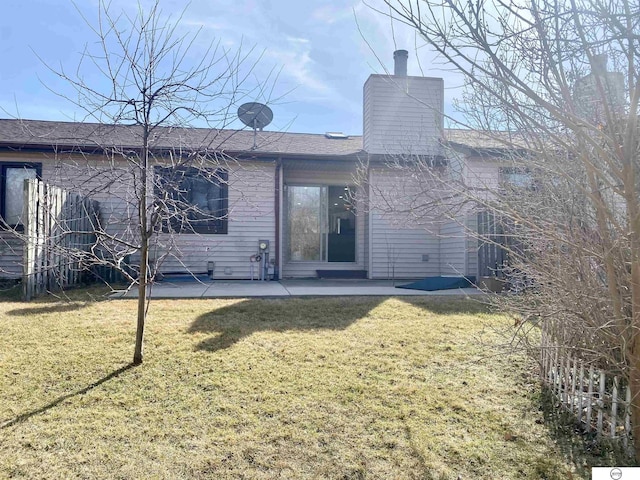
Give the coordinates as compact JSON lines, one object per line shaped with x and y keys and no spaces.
{"x":58,"y":228}
{"x":599,"y":401}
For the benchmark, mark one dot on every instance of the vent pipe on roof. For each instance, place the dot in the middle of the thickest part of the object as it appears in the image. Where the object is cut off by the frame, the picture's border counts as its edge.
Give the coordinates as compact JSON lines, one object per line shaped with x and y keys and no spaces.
{"x":400,"y":63}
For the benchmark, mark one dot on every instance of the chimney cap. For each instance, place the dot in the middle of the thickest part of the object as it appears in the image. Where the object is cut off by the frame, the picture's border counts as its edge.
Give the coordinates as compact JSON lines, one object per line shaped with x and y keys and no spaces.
{"x":400,"y":63}
{"x":599,"y":63}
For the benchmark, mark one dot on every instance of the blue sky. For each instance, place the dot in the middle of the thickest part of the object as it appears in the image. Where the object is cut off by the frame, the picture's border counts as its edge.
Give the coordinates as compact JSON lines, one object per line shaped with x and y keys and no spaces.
{"x":322,"y":56}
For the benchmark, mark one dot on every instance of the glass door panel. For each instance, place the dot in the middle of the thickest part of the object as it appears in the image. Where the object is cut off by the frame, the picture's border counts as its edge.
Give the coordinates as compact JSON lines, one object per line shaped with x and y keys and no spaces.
{"x":306,"y":223}
{"x":342,"y":225}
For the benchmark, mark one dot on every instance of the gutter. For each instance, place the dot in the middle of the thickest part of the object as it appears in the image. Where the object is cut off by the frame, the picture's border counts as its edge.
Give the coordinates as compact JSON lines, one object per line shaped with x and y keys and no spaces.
{"x":237,"y":154}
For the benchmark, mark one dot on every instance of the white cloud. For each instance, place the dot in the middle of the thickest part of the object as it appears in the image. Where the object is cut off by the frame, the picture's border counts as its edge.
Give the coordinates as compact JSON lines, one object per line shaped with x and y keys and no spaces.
{"x":299,"y":67}
{"x":298,"y":40}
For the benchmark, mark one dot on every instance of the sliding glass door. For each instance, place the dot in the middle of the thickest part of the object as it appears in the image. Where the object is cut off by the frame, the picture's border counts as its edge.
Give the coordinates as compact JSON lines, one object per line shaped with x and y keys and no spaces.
{"x":321,"y":224}
{"x":306,"y":223}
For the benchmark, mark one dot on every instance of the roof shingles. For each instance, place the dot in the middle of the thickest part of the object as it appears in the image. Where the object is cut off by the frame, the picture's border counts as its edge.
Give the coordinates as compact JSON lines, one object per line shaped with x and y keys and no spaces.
{"x":18,"y":133}
{"x":45,"y":134}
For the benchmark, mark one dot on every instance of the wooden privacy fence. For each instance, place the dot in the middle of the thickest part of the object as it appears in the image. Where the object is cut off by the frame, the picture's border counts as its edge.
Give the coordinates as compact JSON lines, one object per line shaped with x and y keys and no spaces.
{"x":599,"y":401}
{"x":491,"y":254}
{"x":59,"y":229}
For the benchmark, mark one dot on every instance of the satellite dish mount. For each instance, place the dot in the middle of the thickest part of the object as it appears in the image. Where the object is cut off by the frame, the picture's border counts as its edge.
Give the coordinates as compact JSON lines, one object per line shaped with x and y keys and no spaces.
{"x":255,"y":115}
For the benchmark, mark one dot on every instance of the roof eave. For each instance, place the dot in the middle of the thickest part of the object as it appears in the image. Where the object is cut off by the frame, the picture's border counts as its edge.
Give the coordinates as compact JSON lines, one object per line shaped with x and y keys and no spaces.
{"x":484,"y":152}
{"x":240,"y":154}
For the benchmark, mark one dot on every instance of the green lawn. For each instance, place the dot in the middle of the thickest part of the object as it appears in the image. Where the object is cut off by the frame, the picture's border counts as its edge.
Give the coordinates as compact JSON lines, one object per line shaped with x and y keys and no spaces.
{"x":297,"y":388}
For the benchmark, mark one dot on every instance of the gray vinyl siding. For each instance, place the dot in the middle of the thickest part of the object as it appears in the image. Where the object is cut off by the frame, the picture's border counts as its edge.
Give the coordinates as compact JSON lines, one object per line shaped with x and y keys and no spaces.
{"x":398,"y":242}
{"x":452,"y":249}
{"x":398,"y":252}
{"x":324,"y":173}
{"x":251,"y":214}
{"x":251,"y":218}
{"x":481,"y":173}
{"x":459,"y":246}
{"x":403,"y":115}
{"x":11,"y":248}
{"x":387,"y":245}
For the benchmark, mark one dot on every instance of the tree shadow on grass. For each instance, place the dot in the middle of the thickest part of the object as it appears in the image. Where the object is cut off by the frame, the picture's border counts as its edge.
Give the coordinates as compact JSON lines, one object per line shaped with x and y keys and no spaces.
{"x":582,"y":448}
{"x":12,"y":293}
{"x":25,"y":416}
{"x":232,"y":323}
{"x":449,"y":304}
{"x":55,"y":308}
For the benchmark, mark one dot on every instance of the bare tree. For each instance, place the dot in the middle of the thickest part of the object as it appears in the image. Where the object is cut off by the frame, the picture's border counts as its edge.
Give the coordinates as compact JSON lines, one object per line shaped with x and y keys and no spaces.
{"x":554,"y":89}
{"x":143,"y":84}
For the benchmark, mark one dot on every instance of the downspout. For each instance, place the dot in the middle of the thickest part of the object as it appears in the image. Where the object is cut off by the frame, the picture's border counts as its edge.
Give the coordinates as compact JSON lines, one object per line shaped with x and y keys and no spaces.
{"x":370,"y":222}
{"x":440,"y":262}
{"x":278,"y":202}
{"x":465,"y":232}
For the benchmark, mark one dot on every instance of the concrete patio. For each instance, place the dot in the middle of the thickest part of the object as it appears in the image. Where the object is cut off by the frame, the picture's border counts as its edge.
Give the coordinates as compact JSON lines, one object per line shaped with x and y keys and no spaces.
{"x":288,"y":288}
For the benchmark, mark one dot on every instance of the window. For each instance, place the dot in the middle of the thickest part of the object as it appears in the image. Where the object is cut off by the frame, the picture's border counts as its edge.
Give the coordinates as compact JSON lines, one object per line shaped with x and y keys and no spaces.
{"x":516,"y":177}
{"x":12,"y":177}
{"x":195,"y":200}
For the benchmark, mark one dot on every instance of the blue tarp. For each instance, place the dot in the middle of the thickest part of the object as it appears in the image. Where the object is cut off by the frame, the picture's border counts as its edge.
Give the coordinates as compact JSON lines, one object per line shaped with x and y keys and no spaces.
{"x":440,"y":283}
{"x":186,"y":278}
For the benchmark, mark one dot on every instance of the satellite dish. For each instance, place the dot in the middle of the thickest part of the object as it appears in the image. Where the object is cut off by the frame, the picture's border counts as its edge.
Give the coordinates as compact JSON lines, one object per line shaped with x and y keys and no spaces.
{"x":255,"y":115}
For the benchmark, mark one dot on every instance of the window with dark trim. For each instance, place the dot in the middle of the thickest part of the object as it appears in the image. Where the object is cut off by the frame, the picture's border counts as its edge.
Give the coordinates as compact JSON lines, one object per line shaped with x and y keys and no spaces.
{"x":194,"y":200}
{"x":12,"y":177}
{"x":517,"y":177}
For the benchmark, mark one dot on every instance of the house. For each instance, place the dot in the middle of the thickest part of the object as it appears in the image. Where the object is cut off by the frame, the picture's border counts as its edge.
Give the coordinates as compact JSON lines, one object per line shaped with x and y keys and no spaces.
{"x":315,"y":202}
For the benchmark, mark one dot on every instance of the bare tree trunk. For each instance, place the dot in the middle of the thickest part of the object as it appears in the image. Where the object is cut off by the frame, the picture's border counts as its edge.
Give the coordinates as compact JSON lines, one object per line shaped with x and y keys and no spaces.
{"x":142,"y":304}
{"x":144,"y":251}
